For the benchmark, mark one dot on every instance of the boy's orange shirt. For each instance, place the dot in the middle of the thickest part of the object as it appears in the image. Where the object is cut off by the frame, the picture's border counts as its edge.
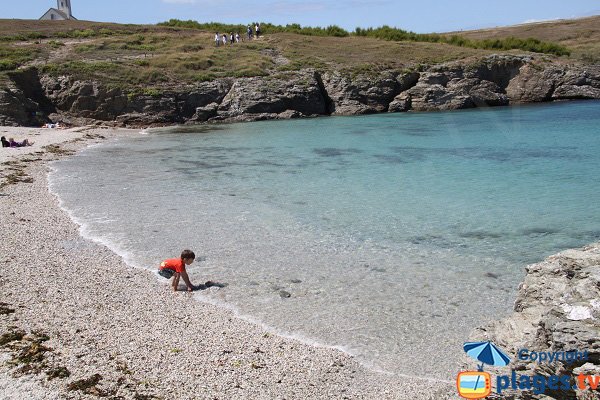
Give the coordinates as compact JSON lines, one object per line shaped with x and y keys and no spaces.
{"x":175,"y":264}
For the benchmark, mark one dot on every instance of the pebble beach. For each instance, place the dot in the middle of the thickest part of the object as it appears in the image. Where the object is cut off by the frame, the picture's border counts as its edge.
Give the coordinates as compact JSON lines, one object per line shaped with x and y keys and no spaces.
{"x":78,"y":323}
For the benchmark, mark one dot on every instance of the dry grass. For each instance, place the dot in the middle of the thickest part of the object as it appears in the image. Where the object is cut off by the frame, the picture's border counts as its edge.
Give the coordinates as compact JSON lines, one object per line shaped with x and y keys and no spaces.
{"x":359,"y":52}
{"x":581,"y":36}
{"x":149,"y":58}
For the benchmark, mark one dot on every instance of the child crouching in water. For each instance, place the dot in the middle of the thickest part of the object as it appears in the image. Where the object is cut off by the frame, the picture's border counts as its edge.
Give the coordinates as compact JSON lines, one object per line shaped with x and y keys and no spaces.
{"x":175,"y":267}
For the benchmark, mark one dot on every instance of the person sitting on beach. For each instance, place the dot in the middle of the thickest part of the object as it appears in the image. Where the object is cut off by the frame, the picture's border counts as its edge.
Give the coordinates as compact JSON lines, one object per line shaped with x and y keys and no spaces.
{"x":24,"y":143}
{"x":5,"y":143}
{"x":175,"y":267}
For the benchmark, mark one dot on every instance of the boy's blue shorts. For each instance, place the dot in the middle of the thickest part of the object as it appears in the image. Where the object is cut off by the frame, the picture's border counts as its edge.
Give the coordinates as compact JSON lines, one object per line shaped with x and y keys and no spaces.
{"x":166,"y":273}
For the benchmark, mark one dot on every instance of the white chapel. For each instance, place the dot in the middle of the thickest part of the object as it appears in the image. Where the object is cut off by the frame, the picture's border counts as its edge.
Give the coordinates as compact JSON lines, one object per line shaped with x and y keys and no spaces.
{"x":60,"y":13}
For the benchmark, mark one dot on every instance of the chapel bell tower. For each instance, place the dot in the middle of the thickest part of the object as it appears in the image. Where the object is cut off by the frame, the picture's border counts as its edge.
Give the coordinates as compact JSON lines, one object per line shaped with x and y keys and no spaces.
{"x":65,"y":6}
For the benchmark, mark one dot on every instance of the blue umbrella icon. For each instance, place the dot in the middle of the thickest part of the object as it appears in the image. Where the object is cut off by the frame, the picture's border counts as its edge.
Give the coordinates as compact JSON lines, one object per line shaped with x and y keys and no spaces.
{"x":486,"y":353}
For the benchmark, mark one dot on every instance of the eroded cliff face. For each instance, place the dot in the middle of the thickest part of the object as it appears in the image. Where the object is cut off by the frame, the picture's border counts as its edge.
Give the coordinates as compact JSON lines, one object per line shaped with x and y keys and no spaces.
{"x":557,"y":310}
{"x":497,"y":80}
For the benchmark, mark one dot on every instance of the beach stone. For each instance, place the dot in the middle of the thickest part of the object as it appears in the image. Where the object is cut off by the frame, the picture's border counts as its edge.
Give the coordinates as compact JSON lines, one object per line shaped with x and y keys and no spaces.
{"x":284,"y":294}
{"x":289,"y":114}
{"x":205,"y":113}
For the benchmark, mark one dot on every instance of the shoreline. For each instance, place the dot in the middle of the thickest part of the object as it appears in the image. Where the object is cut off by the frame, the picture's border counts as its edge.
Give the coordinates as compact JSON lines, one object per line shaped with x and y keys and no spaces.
{"x":100,"y":316}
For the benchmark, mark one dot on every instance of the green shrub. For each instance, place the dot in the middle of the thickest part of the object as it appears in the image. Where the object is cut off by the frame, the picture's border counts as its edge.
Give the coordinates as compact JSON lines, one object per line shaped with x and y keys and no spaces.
{"x":13,"y":57}
{"x":191,"y":48}
{"x":79,"y":67}
{"x":198,"y":65}
{"x":151,"y":92}
{"x":509,"y":43}
{"x":77,"y":34}
{"x":205,"y":77}
{"x":55,"y":44}
{"x":7,"y":65}
{"x":266,"y":28}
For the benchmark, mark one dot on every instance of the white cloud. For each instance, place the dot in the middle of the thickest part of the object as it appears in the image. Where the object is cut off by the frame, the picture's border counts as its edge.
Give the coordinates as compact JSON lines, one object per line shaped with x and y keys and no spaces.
{"x":535,"y":21}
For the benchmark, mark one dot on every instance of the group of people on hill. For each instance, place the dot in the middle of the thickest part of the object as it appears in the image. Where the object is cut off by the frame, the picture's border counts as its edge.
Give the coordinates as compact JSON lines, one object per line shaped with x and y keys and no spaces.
{"x":232,"y":38}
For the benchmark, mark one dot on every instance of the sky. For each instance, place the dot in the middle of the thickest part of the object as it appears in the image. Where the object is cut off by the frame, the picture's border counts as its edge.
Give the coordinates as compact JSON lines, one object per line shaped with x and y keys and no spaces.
{"x":421,"y":16}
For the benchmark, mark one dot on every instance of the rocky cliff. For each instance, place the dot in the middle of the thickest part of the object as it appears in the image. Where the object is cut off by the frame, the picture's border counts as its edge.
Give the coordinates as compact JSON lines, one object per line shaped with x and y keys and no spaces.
{"x":497,"y":80}
{"x":557,"y":310}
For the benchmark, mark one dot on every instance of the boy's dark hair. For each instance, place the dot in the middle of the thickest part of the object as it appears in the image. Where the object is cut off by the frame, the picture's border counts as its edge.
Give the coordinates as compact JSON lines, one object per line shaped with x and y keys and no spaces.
{"x":188,"y":254}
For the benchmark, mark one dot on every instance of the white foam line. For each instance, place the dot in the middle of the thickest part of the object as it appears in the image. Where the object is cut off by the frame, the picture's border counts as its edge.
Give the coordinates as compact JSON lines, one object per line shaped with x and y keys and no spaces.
{"x":83,"y":228}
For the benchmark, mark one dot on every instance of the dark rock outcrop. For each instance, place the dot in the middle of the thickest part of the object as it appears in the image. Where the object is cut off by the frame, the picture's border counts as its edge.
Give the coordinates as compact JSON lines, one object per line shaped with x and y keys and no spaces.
{"x":23,"y":101}
{"x":91,"y":100}
{"x":16,"y":109}
{"x":579,"y":83}
{"x":365,"y":94}
{"x":533,"y":84}
{"x":496,"y":80}
{"x":84,"y":99}
{"x":299,"y":92}
{"x":557,"y":310}
{"x":455,"y":86}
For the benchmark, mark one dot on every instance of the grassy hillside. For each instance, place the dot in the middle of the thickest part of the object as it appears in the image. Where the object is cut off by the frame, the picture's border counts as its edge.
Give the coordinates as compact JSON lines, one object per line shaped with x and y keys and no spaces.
{"x":141,"y":57}
{"x":581,"y":36}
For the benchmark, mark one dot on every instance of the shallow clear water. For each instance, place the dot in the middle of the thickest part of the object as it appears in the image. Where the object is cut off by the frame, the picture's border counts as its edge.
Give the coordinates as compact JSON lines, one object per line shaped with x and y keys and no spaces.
{"x":394,"y":234}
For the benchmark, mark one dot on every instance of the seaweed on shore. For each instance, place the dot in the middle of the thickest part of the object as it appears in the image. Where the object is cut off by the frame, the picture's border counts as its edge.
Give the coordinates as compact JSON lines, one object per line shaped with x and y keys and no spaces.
{"x":89,"y":386}
{"x":5,"y":309}
{"x":139,"y":396}
{"x":56,"y":149}
{"x":18,"y":176}
{"x":29,"y":356}
{"x":85,"y":384}
{"x":11,"y":336}
{"x":58,"y":372}
{"x":28,"y":352}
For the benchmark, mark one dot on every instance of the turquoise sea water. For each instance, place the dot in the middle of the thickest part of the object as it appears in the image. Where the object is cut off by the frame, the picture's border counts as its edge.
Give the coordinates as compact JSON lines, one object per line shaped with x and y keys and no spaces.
{"x":395,"y":234}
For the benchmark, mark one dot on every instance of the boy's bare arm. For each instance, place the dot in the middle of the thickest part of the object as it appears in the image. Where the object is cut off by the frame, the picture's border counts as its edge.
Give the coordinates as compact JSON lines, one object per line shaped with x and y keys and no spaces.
{"x":186,"y":279}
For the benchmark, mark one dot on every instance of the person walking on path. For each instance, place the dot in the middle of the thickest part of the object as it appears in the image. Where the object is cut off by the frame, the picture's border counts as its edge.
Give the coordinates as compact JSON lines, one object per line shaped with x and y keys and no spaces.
{"x":217,"y":39}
